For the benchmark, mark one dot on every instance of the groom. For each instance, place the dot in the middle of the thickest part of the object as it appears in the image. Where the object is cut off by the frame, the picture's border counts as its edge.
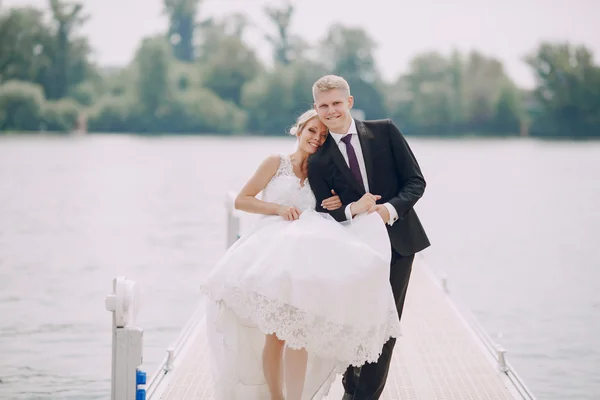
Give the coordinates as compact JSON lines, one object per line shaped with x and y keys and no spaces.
{"x":371,"y":167}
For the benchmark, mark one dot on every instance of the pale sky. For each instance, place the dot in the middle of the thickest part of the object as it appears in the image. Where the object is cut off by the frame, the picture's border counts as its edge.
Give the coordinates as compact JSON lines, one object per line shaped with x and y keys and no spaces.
{"x":506,"y":29}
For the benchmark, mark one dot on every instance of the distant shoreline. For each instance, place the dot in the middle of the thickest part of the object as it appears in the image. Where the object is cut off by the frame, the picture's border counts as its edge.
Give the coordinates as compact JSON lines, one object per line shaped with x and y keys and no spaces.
{"x":457,"y":136}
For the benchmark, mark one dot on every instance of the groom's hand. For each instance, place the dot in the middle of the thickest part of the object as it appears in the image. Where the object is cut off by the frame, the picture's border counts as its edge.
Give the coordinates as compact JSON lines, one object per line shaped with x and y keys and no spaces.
{"x":382,"y":210}
{"x":365,"y":203}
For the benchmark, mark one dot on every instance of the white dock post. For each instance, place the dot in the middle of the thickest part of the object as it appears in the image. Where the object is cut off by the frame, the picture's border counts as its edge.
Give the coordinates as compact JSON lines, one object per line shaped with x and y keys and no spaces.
{"x":233,"y":221}
{"x":501,"y":355}
{"x":127,"y":382}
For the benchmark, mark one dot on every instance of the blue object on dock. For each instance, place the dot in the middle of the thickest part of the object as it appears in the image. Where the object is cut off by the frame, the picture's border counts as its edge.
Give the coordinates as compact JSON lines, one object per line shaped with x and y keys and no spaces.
{"x":140,"y":377}
{"x":140,"y":380}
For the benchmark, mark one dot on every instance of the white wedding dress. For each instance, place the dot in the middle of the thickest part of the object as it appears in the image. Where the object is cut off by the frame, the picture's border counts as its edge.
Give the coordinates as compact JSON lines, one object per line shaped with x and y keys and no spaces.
{"x":316,"y":283}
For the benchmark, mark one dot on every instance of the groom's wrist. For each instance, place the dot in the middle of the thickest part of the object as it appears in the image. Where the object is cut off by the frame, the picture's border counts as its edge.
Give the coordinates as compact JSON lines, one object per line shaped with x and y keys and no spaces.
{"x":393,"y":213}
{"x":348,"y":212}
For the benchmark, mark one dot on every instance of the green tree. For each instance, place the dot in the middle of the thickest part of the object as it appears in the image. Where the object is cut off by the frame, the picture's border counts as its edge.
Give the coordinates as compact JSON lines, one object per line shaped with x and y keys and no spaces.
{"x":85,"y":93}
{"x":25,"y":41}
{"x":21,"y":106}
{"x":114,"y":114}
{"x":61,"y":115}
{"x":508,"y":115}
{"x":456,"y":78}
{"x":348,"y":52}
{"x":185,"y":76}
{"x":456,"y":94}
{"x":182,"y":27}
{"x":282,"y":42}
{"x":202,"y":111}
{"x":429,"y":82}
{"x":275,"y":99}
{"x":69,"y":55}
{"x":153,"y":60}
{"x":227,"y":63}
{"x":482,"y":89}
{"x":119,"y":81}
{"x":568,"y":90}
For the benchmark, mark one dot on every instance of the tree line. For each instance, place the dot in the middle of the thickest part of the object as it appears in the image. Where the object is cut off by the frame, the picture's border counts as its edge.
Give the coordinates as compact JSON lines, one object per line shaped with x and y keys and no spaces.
{"x":200,"y":76}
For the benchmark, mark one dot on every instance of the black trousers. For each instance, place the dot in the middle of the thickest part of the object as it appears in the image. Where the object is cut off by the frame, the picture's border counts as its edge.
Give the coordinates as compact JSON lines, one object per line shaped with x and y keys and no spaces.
{"x":368,"y":381}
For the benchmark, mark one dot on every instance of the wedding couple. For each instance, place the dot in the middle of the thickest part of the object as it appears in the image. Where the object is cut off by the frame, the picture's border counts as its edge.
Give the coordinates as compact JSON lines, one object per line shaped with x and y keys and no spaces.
{"x":317,"y":287}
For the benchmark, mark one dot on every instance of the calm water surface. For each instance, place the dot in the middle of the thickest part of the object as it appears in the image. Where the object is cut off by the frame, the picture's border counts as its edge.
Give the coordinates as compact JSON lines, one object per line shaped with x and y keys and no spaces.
{"x":515,"y":225}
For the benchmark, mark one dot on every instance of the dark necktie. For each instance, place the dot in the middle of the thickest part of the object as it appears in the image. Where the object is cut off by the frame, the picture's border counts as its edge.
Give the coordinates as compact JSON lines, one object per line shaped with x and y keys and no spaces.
{"x":352,"y":160}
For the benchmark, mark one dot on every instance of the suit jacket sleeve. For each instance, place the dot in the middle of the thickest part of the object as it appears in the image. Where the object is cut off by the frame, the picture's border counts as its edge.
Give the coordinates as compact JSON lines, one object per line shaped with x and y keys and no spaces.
{"x":412,"y":183}
{"x":321,"y":189}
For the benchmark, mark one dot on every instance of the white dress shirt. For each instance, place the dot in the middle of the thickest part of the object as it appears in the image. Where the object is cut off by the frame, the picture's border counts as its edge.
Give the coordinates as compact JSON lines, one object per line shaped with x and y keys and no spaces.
{"x":355,"y":142}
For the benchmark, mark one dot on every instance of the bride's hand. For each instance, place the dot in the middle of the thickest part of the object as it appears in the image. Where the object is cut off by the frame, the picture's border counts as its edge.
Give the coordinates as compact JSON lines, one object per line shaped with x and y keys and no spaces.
{"x":289,"y":213}
{"x":332,"y":203}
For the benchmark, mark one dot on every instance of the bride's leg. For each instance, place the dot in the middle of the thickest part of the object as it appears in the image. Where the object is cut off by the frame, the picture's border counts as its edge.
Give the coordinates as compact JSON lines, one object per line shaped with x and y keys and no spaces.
{"x":295,"y":372}
{"x":272,"y":365}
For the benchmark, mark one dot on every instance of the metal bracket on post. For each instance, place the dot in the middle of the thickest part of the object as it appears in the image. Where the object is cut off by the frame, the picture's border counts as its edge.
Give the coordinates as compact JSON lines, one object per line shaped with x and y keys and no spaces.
{"x":445,"y":283}
{"x":170,"y":359}
{"x":127,"y":342}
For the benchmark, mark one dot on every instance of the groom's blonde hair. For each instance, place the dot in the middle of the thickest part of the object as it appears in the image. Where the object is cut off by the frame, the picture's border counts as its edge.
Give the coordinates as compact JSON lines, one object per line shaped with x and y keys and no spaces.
{"x":330,"y":82}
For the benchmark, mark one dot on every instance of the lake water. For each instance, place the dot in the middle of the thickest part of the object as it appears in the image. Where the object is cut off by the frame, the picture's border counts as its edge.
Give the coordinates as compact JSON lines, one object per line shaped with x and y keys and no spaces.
{"x":514,"y":224}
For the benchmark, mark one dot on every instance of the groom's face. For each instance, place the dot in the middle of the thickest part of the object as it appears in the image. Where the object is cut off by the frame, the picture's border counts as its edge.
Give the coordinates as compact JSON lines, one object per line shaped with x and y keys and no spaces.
{"x":333,"y":108}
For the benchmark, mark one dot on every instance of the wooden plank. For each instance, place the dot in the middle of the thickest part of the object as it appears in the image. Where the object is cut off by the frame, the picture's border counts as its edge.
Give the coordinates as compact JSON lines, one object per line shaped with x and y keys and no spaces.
{"x":438,"y":357}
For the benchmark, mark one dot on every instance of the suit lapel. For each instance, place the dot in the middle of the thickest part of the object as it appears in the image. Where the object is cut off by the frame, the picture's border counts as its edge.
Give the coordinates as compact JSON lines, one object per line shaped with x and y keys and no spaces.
{"x":365,"y":136}
{"x":338,"y":159}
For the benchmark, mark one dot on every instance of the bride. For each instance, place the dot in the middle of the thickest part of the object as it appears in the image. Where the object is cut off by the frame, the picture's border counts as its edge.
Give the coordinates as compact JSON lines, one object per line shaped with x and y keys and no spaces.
{"x":301,"y":296}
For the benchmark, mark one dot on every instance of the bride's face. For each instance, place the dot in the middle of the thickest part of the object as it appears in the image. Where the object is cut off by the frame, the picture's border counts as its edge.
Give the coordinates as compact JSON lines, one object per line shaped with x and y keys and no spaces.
{"x":312,"y":136}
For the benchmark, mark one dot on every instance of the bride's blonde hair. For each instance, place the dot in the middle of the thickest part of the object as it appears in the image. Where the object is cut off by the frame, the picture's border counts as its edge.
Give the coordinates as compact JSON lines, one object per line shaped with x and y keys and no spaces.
{"x":302,"y":121}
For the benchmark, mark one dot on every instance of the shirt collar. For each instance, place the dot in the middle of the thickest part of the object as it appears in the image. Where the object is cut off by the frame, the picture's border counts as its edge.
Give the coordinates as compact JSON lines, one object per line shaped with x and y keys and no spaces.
{"x":351,"y":131}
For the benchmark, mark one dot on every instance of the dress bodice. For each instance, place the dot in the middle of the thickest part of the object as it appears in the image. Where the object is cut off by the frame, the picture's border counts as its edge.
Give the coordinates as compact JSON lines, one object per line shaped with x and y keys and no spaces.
{"x":287,"y":189}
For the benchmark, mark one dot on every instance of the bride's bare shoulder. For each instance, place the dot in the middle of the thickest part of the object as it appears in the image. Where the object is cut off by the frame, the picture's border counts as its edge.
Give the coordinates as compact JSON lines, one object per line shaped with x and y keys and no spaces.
{"x":270,"y":165}
{"x":272,"y":162}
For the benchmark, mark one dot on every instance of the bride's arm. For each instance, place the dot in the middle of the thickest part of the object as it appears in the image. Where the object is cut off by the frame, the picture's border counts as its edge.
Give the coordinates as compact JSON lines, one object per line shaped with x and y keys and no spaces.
{"x":246,"y":199}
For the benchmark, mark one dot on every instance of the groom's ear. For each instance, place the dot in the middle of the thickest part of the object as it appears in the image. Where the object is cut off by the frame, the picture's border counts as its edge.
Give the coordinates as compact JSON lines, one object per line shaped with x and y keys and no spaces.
{"x":350,"y":101}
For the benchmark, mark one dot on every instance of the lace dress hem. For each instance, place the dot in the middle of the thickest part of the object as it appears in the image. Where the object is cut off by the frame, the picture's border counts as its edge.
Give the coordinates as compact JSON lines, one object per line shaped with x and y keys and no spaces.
{"x":350,"y":345}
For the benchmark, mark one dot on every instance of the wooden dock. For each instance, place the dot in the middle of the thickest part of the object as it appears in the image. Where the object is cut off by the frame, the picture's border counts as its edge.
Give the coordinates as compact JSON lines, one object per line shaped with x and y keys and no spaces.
{"x":443,"y":354}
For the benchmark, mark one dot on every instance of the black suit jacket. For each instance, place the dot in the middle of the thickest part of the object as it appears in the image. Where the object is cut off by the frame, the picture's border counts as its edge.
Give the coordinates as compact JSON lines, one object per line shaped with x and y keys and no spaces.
{"x":392,"y":171}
